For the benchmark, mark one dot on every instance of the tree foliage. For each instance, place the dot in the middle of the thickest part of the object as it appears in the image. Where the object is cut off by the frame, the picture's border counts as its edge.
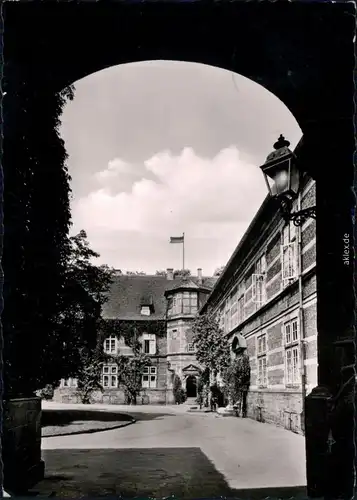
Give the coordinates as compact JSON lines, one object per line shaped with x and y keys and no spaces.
{"x":218,"y":271}
{"x":182,"y":273}
{"x":37,"y":217}
{"x":131,"y":368}
{"x":212,"y":348}
{"x":177,"y":390}
{"x":236,"y":377}
{"x":89,"y":374}
{"x":80,"y":323}
{"x":161,"y":272}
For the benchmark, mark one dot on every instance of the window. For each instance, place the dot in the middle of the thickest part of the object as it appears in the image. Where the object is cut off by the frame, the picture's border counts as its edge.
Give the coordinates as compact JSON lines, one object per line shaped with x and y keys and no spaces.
{"x":241,"y":309}
{"x":262,"y":360}
{"x":145,"y":310}
{"x":234,"y":308}
{"x":262,"y":345}
{"x":291,"y":331}
{"x":190,"y":347}
{"x":262,"y":371}
{"x":149,"y":378}
{"x":110,"y":376}
{"x":258,"y":290}
{"x":149,"y":343}
{"x":289,"y":253}
{"x":186,"y":303}
{"x":110,"y":345}
{"x":292,"y":365}
{"x":69,"y":382}
{"x":189,"y":302}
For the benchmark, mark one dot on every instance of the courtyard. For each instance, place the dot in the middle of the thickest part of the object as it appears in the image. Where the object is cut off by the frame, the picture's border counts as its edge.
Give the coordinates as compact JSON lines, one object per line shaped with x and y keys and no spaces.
{"x":169,"y":451}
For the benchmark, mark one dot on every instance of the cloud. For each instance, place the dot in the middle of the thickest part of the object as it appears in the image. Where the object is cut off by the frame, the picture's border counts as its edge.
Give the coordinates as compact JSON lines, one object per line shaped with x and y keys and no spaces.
{"x":212,"y":200}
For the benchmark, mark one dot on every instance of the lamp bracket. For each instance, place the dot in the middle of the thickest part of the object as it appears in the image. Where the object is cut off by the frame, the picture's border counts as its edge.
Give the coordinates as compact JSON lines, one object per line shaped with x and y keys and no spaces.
{"x":299,"y":217}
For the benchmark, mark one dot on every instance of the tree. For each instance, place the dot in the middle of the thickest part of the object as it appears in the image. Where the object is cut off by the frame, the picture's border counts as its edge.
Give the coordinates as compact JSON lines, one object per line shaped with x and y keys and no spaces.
{"x":80,"y":321}
{"x":36,"y":200}
{"x":177,"y":390}
{"x":160,"y":273}
{"x":131,"y":368}
{"x":135,"y":273}
{"x":236,"y":379}
{"x":90,"y":373}
{"x":182,"y":273}
{"x":219,"y":271}
{"x":212,"y":347}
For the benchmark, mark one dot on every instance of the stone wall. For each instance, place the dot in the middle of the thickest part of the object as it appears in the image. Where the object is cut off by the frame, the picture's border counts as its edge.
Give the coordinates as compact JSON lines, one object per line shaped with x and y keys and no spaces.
{"x":281,"y":408}
{"x":112,"y":396}
{"x":21,"y":442}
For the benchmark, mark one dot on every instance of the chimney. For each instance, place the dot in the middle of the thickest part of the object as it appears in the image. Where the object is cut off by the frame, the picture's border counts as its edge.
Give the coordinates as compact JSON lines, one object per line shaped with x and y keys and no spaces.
{"x":170,"y":273}
{"x":199,"y":276}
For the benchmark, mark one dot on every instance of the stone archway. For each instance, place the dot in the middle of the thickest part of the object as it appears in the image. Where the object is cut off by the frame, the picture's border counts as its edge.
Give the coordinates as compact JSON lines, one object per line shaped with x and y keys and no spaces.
{"x":191,"y":386}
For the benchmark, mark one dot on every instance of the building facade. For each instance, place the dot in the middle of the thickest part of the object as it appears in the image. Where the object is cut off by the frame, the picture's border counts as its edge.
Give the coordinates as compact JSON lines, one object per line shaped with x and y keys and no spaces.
{"x":161,"y":308}
{"x":266,"y":295}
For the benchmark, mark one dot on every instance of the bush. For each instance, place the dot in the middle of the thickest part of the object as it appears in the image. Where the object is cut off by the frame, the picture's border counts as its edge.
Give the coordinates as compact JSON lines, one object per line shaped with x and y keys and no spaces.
{"x":47,"y":393}
{"x":178,"y":392}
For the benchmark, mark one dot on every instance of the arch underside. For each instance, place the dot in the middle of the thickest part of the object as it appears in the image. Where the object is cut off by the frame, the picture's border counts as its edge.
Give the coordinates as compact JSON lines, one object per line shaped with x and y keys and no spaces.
{"x":262,"y":42}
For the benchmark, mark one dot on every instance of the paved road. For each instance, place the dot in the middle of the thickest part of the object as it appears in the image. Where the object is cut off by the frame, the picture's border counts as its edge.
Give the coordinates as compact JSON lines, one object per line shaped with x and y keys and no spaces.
{"x":171,"y":452}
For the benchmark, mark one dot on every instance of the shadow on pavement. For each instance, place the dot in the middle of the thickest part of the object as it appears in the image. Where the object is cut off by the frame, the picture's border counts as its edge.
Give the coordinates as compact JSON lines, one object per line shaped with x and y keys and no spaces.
{"x":154,"y":472}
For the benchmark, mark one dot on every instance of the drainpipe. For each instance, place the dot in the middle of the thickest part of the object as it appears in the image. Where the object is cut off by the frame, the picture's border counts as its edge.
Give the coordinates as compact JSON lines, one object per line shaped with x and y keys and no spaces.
{"x":301,"y":319}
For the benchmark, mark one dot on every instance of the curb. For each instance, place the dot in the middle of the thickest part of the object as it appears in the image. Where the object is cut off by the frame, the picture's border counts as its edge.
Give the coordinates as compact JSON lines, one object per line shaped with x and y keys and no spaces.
{"x":91,"y":431}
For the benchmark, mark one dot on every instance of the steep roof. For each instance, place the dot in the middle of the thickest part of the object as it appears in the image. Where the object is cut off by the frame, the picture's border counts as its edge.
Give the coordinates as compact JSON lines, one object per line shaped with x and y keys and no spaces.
{"x":129,"y":292}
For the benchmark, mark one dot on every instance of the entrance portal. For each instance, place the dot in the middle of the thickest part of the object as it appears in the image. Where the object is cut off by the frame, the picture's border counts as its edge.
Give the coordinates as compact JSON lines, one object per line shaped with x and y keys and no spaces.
{"x":191,"y":386}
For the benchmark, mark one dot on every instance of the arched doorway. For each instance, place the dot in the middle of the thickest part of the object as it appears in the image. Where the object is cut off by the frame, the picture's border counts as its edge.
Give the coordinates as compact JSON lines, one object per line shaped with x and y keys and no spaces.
{"x":191,"y":386}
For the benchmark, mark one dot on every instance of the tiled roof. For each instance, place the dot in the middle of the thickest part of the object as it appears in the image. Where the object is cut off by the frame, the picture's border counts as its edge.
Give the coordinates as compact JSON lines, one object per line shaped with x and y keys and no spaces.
{"x":129,"y":292}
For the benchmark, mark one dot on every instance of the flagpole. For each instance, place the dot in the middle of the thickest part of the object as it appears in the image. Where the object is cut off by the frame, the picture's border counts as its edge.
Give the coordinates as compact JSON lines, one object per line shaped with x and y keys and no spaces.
{"x":183,"y":252}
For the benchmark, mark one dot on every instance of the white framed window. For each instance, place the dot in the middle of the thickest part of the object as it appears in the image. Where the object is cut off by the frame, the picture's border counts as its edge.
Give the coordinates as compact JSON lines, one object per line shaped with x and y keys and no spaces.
{"x":291,"y":332}
{"x":190,"y":347}
{"x":189,"y":302}
{"x":262,"y":344}
{"x":145,"y":310}
{"x":292,"y":365}
{"x":258,"y":281}
{"x":149,"y":377}
{"x":262,"y":371}
{"x":110,"y":376}
{"x":149,"y":343}
{"x":69,"y":382}
{"x":234,"y":308}
{"x":110,"y":345}
{"x":289,"y":253}
{"x":241,"y":309}
{"x":262,"y":359}
{"x":183,"y":302}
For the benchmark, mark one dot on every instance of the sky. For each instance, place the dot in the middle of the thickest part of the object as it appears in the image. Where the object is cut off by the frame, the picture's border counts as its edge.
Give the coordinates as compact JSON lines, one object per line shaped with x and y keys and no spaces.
{"x":161,"y":148}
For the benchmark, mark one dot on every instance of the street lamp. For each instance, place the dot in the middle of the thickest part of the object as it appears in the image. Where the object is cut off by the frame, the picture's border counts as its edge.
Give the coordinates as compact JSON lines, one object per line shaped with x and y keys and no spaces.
{"x":283,"y":180}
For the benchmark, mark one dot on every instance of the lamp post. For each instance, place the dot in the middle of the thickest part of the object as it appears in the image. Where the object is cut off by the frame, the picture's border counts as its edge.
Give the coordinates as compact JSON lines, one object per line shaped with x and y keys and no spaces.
{"x":283,"y":180}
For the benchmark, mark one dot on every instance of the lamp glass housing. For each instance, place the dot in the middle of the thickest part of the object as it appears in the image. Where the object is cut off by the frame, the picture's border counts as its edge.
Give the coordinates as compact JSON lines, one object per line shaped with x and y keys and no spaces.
{"x":284,"y":178}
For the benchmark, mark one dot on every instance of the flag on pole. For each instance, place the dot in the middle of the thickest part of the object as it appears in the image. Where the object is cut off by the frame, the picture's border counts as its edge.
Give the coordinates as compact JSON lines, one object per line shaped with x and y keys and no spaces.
{"x":177,"y":239}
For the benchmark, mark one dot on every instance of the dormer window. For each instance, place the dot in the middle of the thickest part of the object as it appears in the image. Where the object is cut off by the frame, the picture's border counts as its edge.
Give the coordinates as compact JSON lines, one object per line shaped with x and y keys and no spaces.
{"x":145,"y":311}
